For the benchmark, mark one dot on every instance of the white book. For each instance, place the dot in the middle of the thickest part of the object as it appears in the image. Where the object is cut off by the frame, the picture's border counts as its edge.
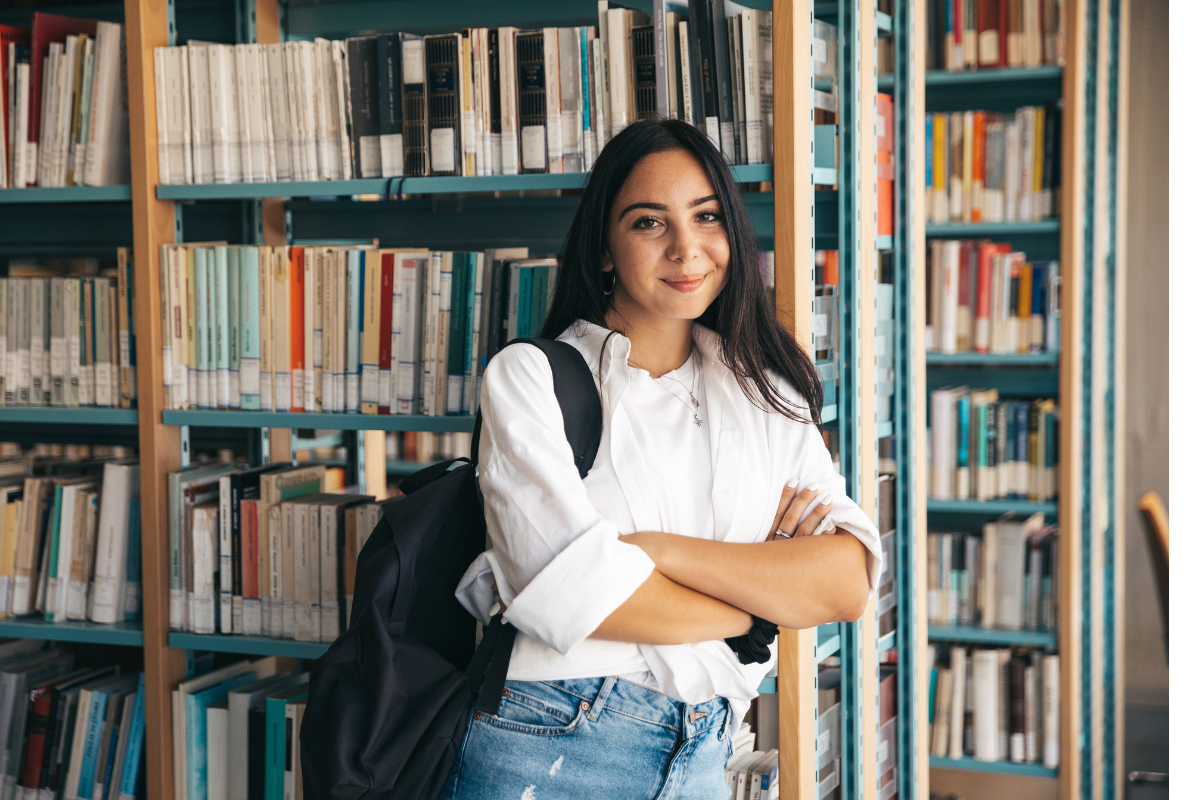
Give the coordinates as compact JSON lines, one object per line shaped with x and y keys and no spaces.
{"x":1050,"y":711}
{"x":570,"y":99}
{"x":313,"y":533}
{"x":107,"y":159}
{"x":50,"y":70}
{"x":958,"y":698}
{"x":264,"y":111}
{"x":310,"y":83}
{"x":685,"y":77}
{"x":603,"y":71}
{"x":79,"y":143}
{"x":297,"y":519}
{"x":120,"y":487}
{"x":161,"y":94}
{"x":327,"y":260}
{"x":222,"y":95}
{"x":266,"y":285}
{"x":984,"y":679}
{"x":22,"y":176}
{"x":473,"y":374}
{"x":217,"y":749}
{"x":245,"y":57}
{"x":327,"y":103}
{"x":279,"y":99}
{"x":201,"y":113}
{"x":554,"y":127}
{"x":620,"y":66}
{"x":510,"y":151}
{"x":74,"y":512}
{"x":340,"y":109}
{"x":179,"y":115}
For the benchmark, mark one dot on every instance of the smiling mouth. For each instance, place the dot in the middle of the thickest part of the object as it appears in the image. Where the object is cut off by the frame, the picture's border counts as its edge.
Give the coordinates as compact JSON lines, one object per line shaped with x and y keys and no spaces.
{"x":685,"y":284}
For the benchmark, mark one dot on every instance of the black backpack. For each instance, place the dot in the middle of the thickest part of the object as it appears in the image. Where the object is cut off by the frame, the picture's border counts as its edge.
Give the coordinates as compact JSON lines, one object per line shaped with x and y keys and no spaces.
{"x":388,"y":703}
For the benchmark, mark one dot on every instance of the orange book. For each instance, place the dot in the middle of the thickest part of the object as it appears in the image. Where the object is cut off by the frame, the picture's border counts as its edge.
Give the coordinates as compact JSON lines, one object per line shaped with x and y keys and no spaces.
{"x":830,"y":278}
{"x":1024,"y":306}
{"x":296,"y":327}
{"x":979,"y":157}
{"x":371,"y":309}
{"x":885,"y":171}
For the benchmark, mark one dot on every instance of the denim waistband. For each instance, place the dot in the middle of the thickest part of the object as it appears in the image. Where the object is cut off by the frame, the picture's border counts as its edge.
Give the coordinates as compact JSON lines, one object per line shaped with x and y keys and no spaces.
{"x":643,"y":703}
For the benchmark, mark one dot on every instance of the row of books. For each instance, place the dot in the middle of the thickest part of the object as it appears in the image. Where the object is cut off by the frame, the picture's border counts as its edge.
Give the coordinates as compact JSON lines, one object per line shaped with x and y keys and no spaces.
{"x":754,"y":775}
{"x":236,"y":731}
{"x":983,"y":166}
{"x":985,"y":448}
{"x":263,"y":551}
{"x":68,"y":341}
{"x":70,"y":539}
{"x":986,"y":298}
{"x":995,"y":705}
{"x":342,"y":329}
{"x":479,"y":102}
{"x":64,"y":103}
{"x":986,"y":34}
{"x":69,"y":732}
{"x":1006,"y":578}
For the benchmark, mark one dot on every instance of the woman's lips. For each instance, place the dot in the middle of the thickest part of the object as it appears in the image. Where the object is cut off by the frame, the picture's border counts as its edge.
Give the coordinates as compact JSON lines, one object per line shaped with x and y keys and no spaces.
{"x":685,"y":284}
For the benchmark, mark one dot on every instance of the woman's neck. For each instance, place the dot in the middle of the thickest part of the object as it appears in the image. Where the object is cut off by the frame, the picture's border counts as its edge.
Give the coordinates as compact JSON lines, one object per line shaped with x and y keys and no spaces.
{"x":658,"y":345}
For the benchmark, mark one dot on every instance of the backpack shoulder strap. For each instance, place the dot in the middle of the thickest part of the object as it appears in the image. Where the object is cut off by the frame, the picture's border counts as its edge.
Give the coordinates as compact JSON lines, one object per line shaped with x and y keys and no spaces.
{"x":578,"y":399}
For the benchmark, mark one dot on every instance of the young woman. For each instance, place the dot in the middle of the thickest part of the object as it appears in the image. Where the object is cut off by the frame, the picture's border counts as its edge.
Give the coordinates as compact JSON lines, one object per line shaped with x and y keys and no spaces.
{"x":693,"y":532}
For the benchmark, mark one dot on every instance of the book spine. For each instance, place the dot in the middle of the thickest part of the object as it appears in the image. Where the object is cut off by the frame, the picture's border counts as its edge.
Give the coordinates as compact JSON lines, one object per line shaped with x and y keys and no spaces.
{"x":387,"y":302}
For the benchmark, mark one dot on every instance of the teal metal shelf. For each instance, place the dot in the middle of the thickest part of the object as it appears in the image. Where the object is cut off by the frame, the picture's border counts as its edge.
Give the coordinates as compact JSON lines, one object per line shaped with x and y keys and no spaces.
{"x":883,"y":21}
{"x":969,"y":230}
{"x":981,"y":76}
{"x":346,"y":422}
{"x":68,"y":416}
{"x":1007,"y":767}
{"x":883,"y":242}
{"x":829,"y":413}
{"x":886,"y":642}
{"x":66,"y":194}
{"x":989,"y":507}
{"x":941,"y":633}
{"x":127,"y":634}
{"x":768,"y":686}
{"x":378,"y":186}
{"x":829,"y":640}
{"x":992,"y":359}
{"x":883,"y":429}
{"x":251,"y":645}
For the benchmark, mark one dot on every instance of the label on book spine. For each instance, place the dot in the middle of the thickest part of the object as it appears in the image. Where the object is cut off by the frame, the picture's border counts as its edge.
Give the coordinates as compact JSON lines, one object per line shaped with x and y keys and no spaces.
{"x":391,"y":153}
{"x":533,"y":147}
{"x":370,"y":383}
{"x":252,"y":616}
{"x":712,"y":127}
{"x":441,"y":149}
{"x":370,"y":157}
{"x":250,"y":376}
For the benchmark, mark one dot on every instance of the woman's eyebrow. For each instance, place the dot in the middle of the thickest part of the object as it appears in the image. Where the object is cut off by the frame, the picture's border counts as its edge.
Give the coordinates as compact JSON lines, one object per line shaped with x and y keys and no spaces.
{"x":662,"y":207}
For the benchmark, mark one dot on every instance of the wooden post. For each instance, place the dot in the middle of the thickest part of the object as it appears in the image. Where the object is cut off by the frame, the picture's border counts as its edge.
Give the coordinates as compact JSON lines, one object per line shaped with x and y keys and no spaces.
{"x":867,"y":267}
{"x":792,"y":53}
{"x":1071,"y":397}
{"x":153,"y":225}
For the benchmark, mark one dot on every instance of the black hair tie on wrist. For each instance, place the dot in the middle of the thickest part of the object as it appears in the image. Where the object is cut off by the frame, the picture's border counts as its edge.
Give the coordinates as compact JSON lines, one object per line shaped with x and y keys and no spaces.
{"x":753,"y":647}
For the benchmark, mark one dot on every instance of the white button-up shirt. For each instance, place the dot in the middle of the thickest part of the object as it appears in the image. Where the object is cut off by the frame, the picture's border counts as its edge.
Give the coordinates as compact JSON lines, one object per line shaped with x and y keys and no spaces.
{"x":556,"y":558}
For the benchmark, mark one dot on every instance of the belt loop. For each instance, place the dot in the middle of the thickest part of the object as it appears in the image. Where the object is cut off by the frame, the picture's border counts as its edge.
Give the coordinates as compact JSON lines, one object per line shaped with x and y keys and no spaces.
{"x":601,"y":698}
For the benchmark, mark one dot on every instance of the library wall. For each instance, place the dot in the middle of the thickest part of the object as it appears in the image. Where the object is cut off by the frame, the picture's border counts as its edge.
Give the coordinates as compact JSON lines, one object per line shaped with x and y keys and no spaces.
{"x":1146,"y":409}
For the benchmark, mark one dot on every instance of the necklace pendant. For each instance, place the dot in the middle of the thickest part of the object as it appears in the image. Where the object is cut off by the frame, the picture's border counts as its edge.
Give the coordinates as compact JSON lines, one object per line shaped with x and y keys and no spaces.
{"x":699,"y":422}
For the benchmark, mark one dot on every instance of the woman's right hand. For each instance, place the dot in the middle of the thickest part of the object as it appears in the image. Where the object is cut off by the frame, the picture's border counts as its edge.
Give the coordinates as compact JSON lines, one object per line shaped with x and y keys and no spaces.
{"x":792,"y":503}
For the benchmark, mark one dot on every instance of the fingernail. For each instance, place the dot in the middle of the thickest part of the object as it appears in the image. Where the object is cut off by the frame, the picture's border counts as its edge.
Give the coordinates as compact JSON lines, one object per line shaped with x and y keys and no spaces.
{"x":826,"y":500}
{"x":793,"y":483}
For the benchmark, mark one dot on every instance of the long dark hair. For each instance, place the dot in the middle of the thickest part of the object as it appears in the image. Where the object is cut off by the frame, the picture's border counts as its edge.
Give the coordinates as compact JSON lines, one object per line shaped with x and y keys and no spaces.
{"x":752,"y":340}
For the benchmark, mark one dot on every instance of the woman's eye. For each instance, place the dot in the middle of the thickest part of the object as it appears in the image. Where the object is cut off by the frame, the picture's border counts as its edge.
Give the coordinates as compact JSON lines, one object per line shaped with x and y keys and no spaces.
{"x":646,"y":223}
{"x":709,"y":216}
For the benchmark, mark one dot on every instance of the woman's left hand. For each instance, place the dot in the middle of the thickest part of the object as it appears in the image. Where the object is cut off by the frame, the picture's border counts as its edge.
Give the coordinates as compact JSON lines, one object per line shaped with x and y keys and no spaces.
{"x":791,"y":506}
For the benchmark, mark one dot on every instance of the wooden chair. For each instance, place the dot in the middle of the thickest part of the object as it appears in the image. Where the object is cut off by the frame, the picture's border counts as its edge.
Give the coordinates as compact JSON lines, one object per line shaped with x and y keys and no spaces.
{"x":1154,"y":513}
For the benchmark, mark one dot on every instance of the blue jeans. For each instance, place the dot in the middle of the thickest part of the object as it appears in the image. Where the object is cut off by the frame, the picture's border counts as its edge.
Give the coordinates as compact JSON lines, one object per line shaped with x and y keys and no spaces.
{"x":593,"y":738}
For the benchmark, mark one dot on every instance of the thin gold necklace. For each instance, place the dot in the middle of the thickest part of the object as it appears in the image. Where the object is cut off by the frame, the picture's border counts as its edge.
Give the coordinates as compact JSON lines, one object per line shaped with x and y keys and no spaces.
{"x":695,"y":406}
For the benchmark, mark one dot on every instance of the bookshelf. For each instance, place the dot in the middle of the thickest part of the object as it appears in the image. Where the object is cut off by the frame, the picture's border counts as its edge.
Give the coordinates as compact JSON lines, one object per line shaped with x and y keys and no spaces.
{"x":1084,"y":377}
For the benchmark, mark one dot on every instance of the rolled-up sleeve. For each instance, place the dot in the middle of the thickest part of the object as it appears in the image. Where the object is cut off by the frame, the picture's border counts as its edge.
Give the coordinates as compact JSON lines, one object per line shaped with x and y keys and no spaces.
{"x":560,"y":568}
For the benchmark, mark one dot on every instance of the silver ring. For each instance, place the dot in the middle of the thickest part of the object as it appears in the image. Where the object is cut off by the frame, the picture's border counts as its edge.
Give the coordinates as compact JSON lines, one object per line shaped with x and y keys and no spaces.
{"x":780,"y":532}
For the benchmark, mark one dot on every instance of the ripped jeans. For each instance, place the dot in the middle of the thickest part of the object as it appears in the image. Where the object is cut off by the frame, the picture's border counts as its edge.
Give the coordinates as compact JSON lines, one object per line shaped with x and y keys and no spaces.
{"x":593,"y":738}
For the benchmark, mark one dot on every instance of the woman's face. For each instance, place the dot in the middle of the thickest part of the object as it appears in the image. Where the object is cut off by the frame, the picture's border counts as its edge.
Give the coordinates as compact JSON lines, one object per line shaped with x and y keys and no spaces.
{"x":667,"y":240}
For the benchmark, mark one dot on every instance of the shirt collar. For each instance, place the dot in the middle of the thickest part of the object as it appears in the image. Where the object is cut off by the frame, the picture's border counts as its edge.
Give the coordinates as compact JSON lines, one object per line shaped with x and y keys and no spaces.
{"x":589,"y":339}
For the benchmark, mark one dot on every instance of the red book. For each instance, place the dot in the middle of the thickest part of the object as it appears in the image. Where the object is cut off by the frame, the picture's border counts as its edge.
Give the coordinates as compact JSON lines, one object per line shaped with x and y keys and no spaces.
{"x":987,"y":20}
{"x":387,"y":264}
{"x":15,"y":35}
{"x":37,"y":726}
{"x":48,"y":28}
{"x":984,"y":335}
{"x":296,"y":327}
{"x":1002,"y":27}
{"x":250,"y":549}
